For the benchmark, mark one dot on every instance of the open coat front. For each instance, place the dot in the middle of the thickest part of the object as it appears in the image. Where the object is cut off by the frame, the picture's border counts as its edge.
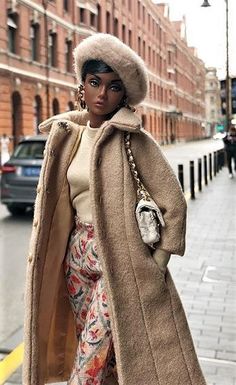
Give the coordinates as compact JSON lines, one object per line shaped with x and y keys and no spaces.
{"x":152,"y":342}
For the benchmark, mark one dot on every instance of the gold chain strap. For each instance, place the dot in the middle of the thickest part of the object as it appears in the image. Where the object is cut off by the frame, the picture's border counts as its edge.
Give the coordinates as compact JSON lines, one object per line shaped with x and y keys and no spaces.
{"x":141,"y":191}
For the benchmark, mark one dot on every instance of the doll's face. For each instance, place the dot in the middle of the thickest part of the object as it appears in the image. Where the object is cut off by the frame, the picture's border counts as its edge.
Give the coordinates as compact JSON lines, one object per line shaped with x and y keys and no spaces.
{"x":103,"y":92}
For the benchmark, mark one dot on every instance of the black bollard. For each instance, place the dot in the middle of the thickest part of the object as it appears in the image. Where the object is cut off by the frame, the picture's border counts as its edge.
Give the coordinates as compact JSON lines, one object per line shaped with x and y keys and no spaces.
{"x":214,"y":164}
{"x":199,"y":174}
{"x":181,"y":175}
{"x":192,"y":182}
{"x":224,"y":162}
{"x":210,"y":166}
{"x":205,"y":169}
{"x":218,"y":160}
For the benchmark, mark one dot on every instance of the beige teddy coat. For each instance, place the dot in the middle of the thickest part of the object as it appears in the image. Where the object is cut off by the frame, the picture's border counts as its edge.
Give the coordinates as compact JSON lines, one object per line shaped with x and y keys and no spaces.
{"x":152,"y":342}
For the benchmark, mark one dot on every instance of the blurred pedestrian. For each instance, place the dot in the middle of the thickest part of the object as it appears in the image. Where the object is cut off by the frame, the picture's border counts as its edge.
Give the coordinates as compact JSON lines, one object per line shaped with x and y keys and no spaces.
{"x":230,"y":148}
{"x":101,"y":307}
{"x":5,"y":154}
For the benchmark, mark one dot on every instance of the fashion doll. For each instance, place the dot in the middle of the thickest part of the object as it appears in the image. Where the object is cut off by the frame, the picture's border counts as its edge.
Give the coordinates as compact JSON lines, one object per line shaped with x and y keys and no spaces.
{"x":101,"y":307}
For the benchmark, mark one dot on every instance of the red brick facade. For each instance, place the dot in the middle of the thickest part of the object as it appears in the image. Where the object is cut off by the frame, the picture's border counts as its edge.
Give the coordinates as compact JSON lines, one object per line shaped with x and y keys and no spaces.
{"x":36,"y":74}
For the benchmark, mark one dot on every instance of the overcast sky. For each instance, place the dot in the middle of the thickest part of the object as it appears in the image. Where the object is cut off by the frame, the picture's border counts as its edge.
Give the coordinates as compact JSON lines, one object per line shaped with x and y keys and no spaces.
{"x":206,"y":30}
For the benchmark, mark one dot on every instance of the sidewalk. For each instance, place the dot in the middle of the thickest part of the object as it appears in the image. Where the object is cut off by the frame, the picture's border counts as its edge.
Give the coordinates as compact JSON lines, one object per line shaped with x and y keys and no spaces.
{"x":206,"y":279}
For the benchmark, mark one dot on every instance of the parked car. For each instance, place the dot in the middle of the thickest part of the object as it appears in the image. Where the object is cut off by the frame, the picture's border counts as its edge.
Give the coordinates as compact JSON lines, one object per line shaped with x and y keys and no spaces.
{"x":20,"y":174}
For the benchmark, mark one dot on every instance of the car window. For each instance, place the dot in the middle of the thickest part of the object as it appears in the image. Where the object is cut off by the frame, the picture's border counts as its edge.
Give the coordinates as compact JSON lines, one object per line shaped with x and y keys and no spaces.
{"x":29,"y":150}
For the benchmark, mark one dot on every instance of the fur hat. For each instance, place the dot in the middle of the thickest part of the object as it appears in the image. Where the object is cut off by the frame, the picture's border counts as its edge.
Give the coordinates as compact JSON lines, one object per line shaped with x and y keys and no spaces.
{"x":121,"y":58}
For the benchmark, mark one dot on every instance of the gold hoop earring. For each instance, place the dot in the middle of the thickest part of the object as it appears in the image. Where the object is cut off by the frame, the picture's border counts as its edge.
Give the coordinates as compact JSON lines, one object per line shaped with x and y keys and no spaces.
{"x":80,"y":102}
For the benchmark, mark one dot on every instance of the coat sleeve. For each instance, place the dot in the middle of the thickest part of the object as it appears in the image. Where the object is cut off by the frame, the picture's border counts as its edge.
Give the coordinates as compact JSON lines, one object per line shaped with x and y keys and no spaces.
{"x":164,"y":188}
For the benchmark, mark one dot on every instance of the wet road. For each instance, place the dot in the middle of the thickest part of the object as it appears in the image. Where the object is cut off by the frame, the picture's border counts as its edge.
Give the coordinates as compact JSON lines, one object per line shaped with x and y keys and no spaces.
{"x":14,"y":238}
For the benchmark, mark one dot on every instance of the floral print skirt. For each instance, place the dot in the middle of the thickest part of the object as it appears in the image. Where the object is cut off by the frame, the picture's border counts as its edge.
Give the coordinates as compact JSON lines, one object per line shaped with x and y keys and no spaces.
{"x":95,"y":354}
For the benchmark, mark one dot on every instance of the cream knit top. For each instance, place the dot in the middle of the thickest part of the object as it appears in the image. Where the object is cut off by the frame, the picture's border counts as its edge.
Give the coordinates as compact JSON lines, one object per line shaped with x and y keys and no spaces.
{"x":78,"y":175}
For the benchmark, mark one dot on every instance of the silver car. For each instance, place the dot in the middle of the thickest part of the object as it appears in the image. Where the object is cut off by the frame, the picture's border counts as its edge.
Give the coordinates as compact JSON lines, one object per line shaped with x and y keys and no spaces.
{"x":21,"y":173}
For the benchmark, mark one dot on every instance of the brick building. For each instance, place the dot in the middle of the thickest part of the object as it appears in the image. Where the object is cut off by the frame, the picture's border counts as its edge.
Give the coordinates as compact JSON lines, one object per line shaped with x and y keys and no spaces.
{"x":36,"y":75}
{"x":213,"y":106}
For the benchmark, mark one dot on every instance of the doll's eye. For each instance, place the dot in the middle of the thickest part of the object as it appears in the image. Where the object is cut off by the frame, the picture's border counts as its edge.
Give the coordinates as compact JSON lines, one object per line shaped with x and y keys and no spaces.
{"x":94,"y":82}
{"x":116,"y":87}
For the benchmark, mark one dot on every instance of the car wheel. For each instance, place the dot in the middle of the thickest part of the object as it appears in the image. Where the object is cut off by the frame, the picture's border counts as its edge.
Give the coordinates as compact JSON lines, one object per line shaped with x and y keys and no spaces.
{"x":16,"y":210}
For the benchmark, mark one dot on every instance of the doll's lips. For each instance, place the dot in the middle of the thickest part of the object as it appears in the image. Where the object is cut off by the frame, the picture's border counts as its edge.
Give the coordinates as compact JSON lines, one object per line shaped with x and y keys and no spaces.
{"x":99,"y":104}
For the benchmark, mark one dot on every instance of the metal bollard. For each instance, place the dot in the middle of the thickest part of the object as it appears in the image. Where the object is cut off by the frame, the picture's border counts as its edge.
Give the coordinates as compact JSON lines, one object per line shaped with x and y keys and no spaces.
{"x":210,"y":166}
{"x":192,"y":182}
{"x":181,"y":175}
{"x":215,"y":166}
{"x":224,"y":162}
{"x":205,"y":170}
{"x":200,"y":174}
{"x":218,"y":160}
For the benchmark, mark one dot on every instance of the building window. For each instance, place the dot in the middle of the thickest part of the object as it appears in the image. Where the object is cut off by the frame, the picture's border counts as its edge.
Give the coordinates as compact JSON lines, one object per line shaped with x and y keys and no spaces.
{"x":70,"y":106}
{"x":149,"y":22}
{"x":108,"y":22}
{"x":149,"y":56}
{"x":16,"y":107}
{"x":52,"y":49}
{"x":116,"y":31}
{"x":68,"y":50}
{"x":92,"y":19}
{"x":12,"y":25}
{"x":139,"y":46}
{"x":130,"y":38}
{"x":37,"y":113}
{"x":123,"y":33}
{"x":212,"y":114}
{"x":150,"y":90}
{"x":144,"y":50}
{"x":34,"y":36}
{"x":82,"y":15}
{"x":66,"y":5}
{"x":139,"y":10}
{"x":55,"y":107}
{"x":162,"y":95}
{"x":153,"y":58}
{"x":99,"y":27}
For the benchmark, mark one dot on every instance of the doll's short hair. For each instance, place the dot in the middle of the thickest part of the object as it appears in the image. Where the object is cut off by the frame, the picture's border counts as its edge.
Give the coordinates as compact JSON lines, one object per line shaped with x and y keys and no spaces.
{"x":93,"y":67}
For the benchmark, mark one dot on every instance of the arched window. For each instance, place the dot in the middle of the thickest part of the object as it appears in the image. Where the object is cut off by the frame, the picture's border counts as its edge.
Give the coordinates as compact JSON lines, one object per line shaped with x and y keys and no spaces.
{"x":16,"y":105}
{"x":71,"y":106}
{"x":55,"y":107}
{"x":37,"y":113}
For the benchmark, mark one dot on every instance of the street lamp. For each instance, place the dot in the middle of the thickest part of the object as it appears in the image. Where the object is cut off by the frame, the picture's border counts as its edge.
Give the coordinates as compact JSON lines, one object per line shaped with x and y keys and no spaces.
{"x":45,"y":5}
{"x":205,"y":4}
{"x":227,"y":78}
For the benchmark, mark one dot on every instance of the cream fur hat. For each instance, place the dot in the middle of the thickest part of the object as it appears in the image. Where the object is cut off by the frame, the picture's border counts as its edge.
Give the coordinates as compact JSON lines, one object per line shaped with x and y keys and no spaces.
{"x":121,"y":58}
